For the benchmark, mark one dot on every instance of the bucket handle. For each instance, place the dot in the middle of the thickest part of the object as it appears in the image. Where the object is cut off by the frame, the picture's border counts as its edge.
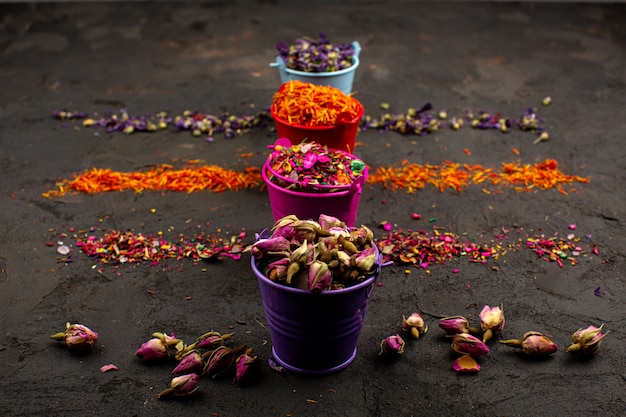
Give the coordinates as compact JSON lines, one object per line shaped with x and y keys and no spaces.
{"x":357,"y":48}
{"x":380,"y":264}
{"x":282,"y":69}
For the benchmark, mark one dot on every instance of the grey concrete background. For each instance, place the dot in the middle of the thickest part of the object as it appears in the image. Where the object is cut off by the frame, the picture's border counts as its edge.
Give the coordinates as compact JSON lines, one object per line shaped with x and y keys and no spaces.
{"x":174,"y":56}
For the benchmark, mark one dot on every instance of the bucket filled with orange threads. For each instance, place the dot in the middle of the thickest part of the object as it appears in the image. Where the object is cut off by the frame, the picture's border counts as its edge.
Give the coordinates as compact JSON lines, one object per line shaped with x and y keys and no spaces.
{"x":323,"y":114}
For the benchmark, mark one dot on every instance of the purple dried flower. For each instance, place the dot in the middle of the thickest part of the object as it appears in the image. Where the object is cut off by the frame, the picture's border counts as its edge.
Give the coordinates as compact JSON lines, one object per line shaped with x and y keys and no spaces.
{"x":309,"y":55}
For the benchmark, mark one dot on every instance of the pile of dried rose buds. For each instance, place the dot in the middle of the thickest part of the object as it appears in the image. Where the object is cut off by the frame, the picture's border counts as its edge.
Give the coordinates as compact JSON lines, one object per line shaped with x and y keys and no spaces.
{"x":208,"y":355}
{"x":313,"y":167}
{"x":310,"y":55}
{"x":316,"y":255}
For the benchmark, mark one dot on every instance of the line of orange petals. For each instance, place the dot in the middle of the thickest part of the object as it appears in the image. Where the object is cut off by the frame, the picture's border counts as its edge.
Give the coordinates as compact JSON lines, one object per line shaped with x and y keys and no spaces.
{"x":407,"y":176}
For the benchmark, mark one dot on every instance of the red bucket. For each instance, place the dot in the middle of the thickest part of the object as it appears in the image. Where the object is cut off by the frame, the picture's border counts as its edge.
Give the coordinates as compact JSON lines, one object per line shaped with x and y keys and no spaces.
{"x":341,"y":136}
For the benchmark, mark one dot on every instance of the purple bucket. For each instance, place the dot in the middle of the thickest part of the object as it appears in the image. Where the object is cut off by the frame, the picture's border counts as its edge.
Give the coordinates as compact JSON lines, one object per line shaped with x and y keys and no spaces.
{"x":314,"y":334}
{"x":341,"y":204}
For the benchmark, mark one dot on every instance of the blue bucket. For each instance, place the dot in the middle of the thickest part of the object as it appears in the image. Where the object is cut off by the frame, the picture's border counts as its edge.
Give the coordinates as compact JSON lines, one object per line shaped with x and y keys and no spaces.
{"x":314,"y":334}
{"x":342,"y":79}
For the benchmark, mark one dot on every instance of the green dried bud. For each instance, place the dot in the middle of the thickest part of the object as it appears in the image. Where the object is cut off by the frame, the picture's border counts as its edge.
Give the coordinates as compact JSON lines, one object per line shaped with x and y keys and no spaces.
{"x":302,"y":254}
{"x":347,"y":245}
{"x":293,"y":269}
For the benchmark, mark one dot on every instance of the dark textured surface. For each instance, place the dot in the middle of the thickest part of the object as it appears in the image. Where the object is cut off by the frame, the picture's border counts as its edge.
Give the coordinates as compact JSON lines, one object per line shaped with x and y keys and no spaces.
{"x":148,"y":57}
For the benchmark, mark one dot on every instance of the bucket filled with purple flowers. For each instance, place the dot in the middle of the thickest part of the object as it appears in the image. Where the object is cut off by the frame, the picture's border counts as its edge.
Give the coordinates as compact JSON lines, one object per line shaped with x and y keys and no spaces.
{"x":309,"y":179}
{"x":318,"y":62}
{"x":316,"y":278}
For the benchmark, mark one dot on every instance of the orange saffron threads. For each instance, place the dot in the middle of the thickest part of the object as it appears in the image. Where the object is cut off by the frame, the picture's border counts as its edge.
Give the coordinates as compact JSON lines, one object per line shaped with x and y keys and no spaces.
{"x":411,"y":177}
{"x":160,"y":178}
{"x":305,"y":104}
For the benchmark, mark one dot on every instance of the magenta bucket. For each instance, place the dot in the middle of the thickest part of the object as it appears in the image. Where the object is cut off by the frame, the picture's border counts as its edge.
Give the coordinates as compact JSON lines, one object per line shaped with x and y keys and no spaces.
{"x":343,"y":205}
{"x":311,"y":333}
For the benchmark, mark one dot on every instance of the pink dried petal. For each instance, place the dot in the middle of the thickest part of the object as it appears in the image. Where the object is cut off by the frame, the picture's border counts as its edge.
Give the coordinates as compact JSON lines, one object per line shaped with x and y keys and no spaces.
{"x":107,"y":368}
{"x":466,"y":364}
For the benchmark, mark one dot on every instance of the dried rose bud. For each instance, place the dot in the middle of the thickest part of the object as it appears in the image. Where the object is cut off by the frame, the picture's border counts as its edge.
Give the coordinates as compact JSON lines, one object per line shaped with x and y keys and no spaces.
{"x":271,"y":246}
{"x":287,"y":231}
{"x":343,"y":258}
{"x":151,"y":350}
{"x":533,"y":344}
{"x":326,"y":222}
{"x":414,"y":325}
{"x":587,"y":341}
{"x":299,"y":258}
{"x":362,"y":236}
{"x":285,"y":221}
{"x":454,"y":325}
{"x":157,"y":347}
{"x":77,"y":337}
{"x":308,"y":230}
{"x":466,"y":364}
{"x":320,"y":277}
{"x":219,"y":362}
{"x":212,"y":340}
{"x":365,"y":260}
{"x":337,"y":232}
{"x":466,"y":344}
{"x":347,"y":245}
{"x":191,"y":362}
{"x":243,"y":364}
{"x":491,"y":321}
{"x":181,"y":386}
{"x":303,"y":253}
{"x":392,"y":346}
{"x":277,"y":270}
